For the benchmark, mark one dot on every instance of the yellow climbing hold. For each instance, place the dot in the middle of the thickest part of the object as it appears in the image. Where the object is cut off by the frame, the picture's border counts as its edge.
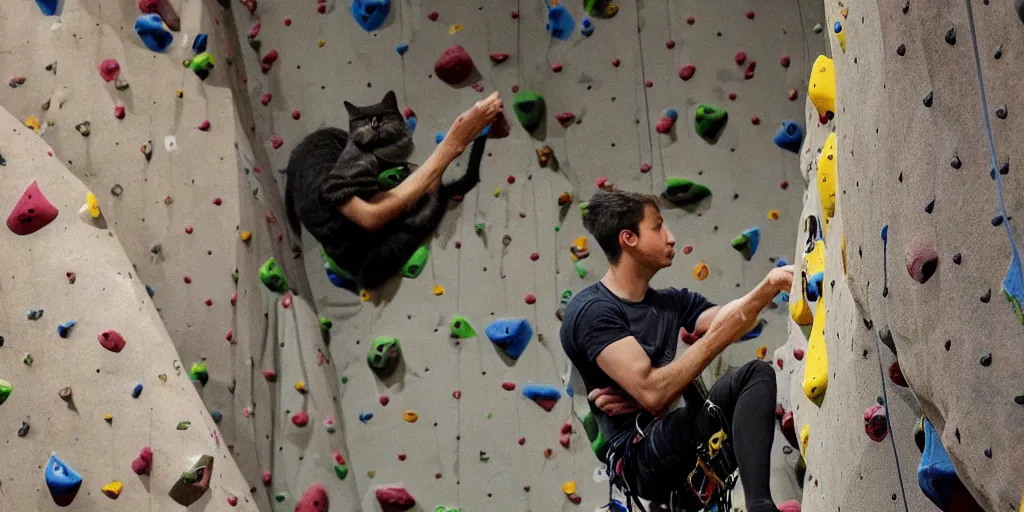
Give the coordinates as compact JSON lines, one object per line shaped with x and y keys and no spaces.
{"x":108,"y":417}
{"x":181,"y":93}
{"x":701,"y":271}
{"x":773,"y":215}
{"x":93,"y":205}
{"x":245,"y":235}
{"x":300,"y":386}
{"x":32,"y":122}
{"x":822,"y":88}
{"x":438,"y":290}
{"x":800,"y":311}
{"x":410,"y":416}
{"x":454,"y":29}
{"x":827,"y":180}
{"x":364,"y":295}
{"x":497,"y":192}
{"x":805,"y":435}
{"x":761,"y":352}
{"x":321,"y":43}
{"x":113,"y":489}
{"x":842,"y":249}
{"x":840,"y":35}
{"x":371,"y":473}
{"x":569,"y":487}
{"x":815,"y":260}
{"x":816,"y":368}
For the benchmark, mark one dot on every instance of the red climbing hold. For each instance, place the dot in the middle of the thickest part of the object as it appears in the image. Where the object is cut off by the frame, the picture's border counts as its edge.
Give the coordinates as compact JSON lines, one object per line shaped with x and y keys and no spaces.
{"x":741,"y":57}
{"x":384,"y":400}
{"x":687,"y":249}
{"x":119,"y":111}
{"x":670,"y":44}
{"x":276,"y":141}
{"x":779,"y":362}
{"x":478,"y":87}
{"x":649,"y":84}
{"x":686,"y":72}
{"x":784,"y":184}
{"x":750,"y":15}
{"x":498,"y":58}
{"x":454,"y":66}
{"x":754,"y":120}
{"x":314,"y":499}
{"x":255,"y":30}
{"x":32,"y":212}
{"x":521,"y":440}
{"x":217,"y":201}
{"x":690,"y":20}
{"x":188,"y":230}
{"x":500,"y":128}
{"x":208,"y":301}
{"x":792,"y":94}
{"x":188,"y":280}
{"x":564,"y":440}
{"x":534,"y":256}
{"x":109,"y":70}
{"x":268,"y":61}
{"x":557,"y":68}
{"x":401,"y":456}
{"x":896,"y":375}
{"x":750,"y":70}
{"x":508,"y":385}
{"x":287,"y":22}
{"x":789,"y":428}
{"x":234,"y":298}
{"x":433,"y":16}
{"x":204,"y":126}
{"x":616,"y":62}
{"x":784,"y":61}
{"x":397,"y":498}
{"x":296,"y":115}
{"x":798,"y":354}
{"x":566,"y":428}
{"x":266,"y":478}
{"x":645,"y":168}
{"x":530,"y":298}
{"x":300,"y":419}
{"x":456,"y":394}
{"x":144,"y":462}
{"x":250,"y":5}
{"x":875,"y":423}
{"x":510,"y":179}
{"x":823,"y":119}
{"x":732,"y":96}
{"x":548,"y":453}
{"x":270,"y":375}
{"x":232,"y":500}
{"x":515,"y":15}
{"x":148,"y":6}
{"x":321,"y":8}
{"x":565,"y":119}
{"x":111,"y":340}
{"x":265,"y":99}
{"x":229,"y":335}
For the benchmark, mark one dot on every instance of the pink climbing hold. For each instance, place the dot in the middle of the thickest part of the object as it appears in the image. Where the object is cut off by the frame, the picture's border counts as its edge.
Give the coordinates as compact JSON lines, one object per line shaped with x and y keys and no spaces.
{"x":601,"y":182}
{"x":232,"y":500}
{"x":784,"y":61}
{"x":296,"y":115}
{"x":789,"y":506}
{"x":433,"y":16}
{"x":670,"y":44}
{"x":110,"y":70}
{"x":144,"y":462}
{"x":338,"y":457}
{"x":268,"y":61}
{"x":557,"y":68}
{"x":741,"y":57}
{"x":750,"y":15}
{"x":798,"y":354}
{"x":266,"y":478}
{"x":229,"y":335}
{"x":645,"y":168}
{"x":456,"y":394}
{"x":564,"y":440}
{"x":395,"y":498}
{"x":922,"y":260}
{"x":204,"y":126}
{"x":300,"y":419}
{"x":687,"y":249}
{"x":792,"y":94}
{"x":732,"y":96}
{"x":111,"y":340}
{"x":276,"y":141}
{"x":32,"y":212}
{"x":686,"y":72}
{"x":478,"y":87}
{"x":754,"y":120}
{"x":384,"y":400}
{"x":234,"y":298}
{"x":508,"y":385}
{"x":875,"y":423}
{"x":148,"y":6}
{"x":265,"y":99}
{"x":255,"y":30}
{"x":896,"y":375}
{"x":270,"y":375}
{"x":119,"y":111}
{"x":690,"y":20}
{"x":565,"y":119}
{"x":749,"y":73}
{"x":616,"y":62}
{"x":250,"y":5}
{"x":665,"y":125}
{"x":454,"y":66}
{"x":286,"y":302}
{"x":498,"y":58}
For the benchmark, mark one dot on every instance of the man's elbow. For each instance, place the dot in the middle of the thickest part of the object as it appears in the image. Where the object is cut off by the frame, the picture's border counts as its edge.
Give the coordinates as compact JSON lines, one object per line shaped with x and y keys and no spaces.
{"x":652,"y":401}
{"x":362,"y":216}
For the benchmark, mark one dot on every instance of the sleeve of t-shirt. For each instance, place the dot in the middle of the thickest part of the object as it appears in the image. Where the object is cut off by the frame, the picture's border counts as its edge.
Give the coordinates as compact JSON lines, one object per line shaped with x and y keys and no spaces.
{"x":599,"y":324}
{"x":691,"y":305}
{"x":345,"y":182}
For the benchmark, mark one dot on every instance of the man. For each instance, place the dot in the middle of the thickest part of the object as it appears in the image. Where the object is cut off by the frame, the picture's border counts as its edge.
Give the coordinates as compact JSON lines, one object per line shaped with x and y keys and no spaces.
{"x":622,"y":335}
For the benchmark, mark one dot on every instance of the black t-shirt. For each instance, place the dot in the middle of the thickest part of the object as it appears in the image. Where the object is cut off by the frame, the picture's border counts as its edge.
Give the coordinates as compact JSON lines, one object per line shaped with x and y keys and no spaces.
{"x":596,"y":318}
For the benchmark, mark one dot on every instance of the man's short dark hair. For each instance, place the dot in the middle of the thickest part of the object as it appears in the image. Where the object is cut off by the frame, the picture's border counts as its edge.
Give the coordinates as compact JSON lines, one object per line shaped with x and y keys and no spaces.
{"x":611,"y":212}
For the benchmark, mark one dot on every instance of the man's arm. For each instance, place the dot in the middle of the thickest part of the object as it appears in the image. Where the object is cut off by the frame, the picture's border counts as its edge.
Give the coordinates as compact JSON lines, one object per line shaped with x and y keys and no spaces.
{"x":705,"y":319}
{"x":657,"y":388}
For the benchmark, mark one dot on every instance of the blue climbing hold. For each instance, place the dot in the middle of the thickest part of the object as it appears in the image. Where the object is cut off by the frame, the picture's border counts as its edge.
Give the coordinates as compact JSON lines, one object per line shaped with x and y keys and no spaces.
{"x":672,"y":114}
{"x":1013,"y":287}
{"x":136,"y":391}
{"x":543,"y":394}
{"x":438,"y":137}
{"x":560,"y":23}
{"x":746,"y":243}
{"x":586,"y":27}
{"x":217,"y":416}
{"x":814,"y":283}
{"x":512,"y":335}
{"x":402,"y":48}
{"x":199,"y":44}
{"x":62,"y":481}
{"x":790,"y":136}
{"x":781,"y":262}
{"x":365,"y":416}
{"x":370,"y":14}
{"x":756,"y":331}
{"x":411,"y":123}
{"x":781,"y":299}
{"x":935,"y":474}
{"x":150,"y":291}
{"x":64,"y":329}
{"x":885,"y":233}
{"x":49,"y":7}
{"x":150,"y":28}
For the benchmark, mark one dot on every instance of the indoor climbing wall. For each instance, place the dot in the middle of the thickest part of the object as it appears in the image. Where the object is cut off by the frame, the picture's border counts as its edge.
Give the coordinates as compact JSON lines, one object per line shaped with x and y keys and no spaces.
{"x":87,"y":370}
{"x":921,"y":281}
{"x":451,"y":426}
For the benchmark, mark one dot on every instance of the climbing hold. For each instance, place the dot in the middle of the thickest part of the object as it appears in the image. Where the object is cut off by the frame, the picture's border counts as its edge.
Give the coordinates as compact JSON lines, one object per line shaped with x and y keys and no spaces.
{"x":789,"y":136}
{"x":64,"y":329}
{"x":896,"y":375}
{"x":5,"y":391}
{"x":586,"y":27}
{"x":460,"y":328}
{"x":384,"y":355}
{"x":565,"y":119}
{"x":198,"y":373}
{"x":136,"y":391}
{"x":773,"y":214}
{"x":194,"y":482}
{"x":272,"y":276}
{"x":747,"y":241}
{"x":498,"y":58}
{"x":530,"y":298}
{"x":569,"y":487}
{"x":579,"y":249}
{"x":313,"y":499}
{"x":827,"y":168}
{"x":821,"y":89}
{"x":150,"y":28}
{"x":402,"y":48}
{"x":784,"y":61}
{"x":543,"y":395}
{"x":951,"y":36}
{"x":922,"y":260}
{"x":365,"y":416}
{"x":110,"y":69}
{"x":686,"y":72}
{"x":876,"y":425}
{"x":111,"y":340}
{"x":709,"y":121}
{"x":529,"y":109}
{"x":684,"y":192}
{"x":761,"y":352}
{"x":112,"y":490}
{"x":49,"y":7}
{"x":62,"y":481}
{"x":300,"y":419}
{"x":370,"y":14}
{"x":668,"y":119}
{"x":410,"y":416}
{"x":701,"y":271}
{"x":840,"y":34}
{"x":512,"y":335}
{"x":454,"y":66}
{"x":798,"y":354}
{"x":937,"y":477}
{"x":201,"y":65}
{"x":394,"y":498}
{"x":560,"y":22}
{"x":816,"y":370}
{"x":32,"y":212}
{"x":741,"y":57}
{"x":144,"y":462}
{"x":417,"y":261}
{"x":749,"y":73}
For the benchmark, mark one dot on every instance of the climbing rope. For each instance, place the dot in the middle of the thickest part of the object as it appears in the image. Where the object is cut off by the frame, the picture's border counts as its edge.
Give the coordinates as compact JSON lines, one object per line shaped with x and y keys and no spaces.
{"x":888,"y":424}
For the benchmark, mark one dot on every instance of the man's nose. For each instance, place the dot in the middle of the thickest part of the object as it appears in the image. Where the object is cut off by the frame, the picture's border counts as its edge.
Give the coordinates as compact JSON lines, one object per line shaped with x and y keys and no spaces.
{"x":671,"y":239}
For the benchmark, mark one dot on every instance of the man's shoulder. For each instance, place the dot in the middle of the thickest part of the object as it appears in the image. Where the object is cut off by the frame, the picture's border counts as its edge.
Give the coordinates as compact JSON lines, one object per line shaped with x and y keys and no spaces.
{"x":593,"y":296}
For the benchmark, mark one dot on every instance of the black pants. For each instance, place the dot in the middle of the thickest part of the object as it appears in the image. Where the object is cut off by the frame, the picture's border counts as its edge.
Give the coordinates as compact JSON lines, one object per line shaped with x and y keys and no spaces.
{"x":666,"y":456}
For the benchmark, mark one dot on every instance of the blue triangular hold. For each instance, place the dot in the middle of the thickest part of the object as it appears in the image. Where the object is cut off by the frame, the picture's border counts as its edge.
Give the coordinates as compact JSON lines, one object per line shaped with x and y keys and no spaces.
{"x":756,"y":331}
{"x":512,"y":335}
{"x":1013,"y":287}
{"x":560,"y":22}
{"x":199,"y":44}
{"x":370,"y":14}
{"x":543,"y":394}
{"x":935,"y":474}
{"x":789,"y":136}
{"x":150,"y":28}
{"x":746,"y":243}
{"x":49,"y":7}
{"x":62,"y":481}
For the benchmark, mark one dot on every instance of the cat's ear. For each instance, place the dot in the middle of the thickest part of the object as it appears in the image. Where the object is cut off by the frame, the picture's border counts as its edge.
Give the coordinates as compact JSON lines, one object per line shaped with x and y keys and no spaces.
{"x":353,"y":110}
{"x":390,"y":101}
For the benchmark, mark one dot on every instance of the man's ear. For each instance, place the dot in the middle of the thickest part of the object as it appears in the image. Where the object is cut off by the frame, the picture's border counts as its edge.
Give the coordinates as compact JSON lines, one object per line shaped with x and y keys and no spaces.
{"x":628,"y":238}
{"x":353,"y":110}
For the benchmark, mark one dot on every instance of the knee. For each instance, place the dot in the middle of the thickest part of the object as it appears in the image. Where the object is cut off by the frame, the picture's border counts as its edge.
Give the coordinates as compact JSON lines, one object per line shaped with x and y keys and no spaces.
{"x":759,"y":372}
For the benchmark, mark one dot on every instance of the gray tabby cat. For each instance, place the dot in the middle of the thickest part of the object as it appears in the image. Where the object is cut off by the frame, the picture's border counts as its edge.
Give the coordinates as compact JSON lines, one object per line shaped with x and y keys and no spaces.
{"x":329,"y":167}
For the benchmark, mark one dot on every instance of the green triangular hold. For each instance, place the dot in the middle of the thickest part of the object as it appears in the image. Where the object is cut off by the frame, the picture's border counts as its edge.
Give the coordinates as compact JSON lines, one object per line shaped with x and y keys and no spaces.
{"x":709,"y":121}
{"x":272,"y":276}
{"x":529,"y":109}
{"x":341,"y":471}
{"x":600,"y":447}
{"x":460,"y":328}
{"x":384,"y":354}
{"x":417,"y":261}
{"x":684,"y":192}
{"x":390,"y":178}
{"x":590,"y":426}
{"x":5,"y":390}
{"x":746,"y":243}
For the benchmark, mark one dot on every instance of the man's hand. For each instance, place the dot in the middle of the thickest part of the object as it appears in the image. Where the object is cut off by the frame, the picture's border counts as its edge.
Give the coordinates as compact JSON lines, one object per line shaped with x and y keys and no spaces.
{"x":613,"y":401}
{"x":468,"y":125}
{"x":781,"y":278}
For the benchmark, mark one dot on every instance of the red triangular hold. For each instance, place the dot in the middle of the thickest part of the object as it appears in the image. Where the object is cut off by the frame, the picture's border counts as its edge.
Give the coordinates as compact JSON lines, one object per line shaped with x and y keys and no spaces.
{"x":500,"y":127}
{"x":32,"y":212}
{"x":546,"y":403}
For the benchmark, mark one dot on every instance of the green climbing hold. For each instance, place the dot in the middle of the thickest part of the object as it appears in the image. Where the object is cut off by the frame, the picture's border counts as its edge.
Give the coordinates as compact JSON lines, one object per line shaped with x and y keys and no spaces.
{"x":600,"y":447}
{"x":344,"y":379}
{"x":5,"y":390}
{"x":584,"y":208}
{"x":202,"y":63}
{"x":590,"y":426}
{"x":709,"y":121}
{"x":684,"y":192}
{"x":747,"y":241}
{"x":272,"y":276}
{"x":384,"y":354}
{"x":390,"y":178}
{"x":280,"y":497}
{"x":478,"y":227}
{"x":580,"y":269}
{"x":341,"y":471}
{"x":442,"y":508}
{"x":460,"y":328}
{"x":529,"y":109}
{"x":566,"y":295}
{"x":198,"y":373}
{"x":417,"y":261}
{"x":325,"y":328}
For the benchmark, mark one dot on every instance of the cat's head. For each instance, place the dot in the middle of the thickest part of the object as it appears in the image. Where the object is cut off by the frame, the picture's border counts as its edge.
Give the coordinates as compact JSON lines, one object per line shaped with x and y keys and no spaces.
{"x":380,"y":129}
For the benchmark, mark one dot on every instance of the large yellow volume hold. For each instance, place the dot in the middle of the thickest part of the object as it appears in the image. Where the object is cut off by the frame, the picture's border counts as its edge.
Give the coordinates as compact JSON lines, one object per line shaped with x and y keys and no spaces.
{"x":822,"y":87}
{"x":800,"y":311}
{"x":827,"y":179}
{"x":816,"y":368}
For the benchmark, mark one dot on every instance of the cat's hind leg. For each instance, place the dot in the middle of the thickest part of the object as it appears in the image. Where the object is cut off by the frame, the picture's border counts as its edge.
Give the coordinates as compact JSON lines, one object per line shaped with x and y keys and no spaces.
{"x":386,"y":259}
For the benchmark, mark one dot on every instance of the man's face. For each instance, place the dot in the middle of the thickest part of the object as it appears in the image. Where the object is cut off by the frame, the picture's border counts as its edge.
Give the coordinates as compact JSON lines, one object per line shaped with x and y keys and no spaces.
{"x":655,"y":246}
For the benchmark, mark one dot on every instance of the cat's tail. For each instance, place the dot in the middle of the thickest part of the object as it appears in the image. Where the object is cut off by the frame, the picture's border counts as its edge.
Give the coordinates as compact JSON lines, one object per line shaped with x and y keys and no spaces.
{"x":463,"y":185}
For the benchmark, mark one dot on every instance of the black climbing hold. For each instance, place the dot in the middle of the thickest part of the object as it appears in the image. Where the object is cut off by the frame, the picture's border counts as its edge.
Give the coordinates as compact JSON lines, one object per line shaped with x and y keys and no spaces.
{"x":986,"y":360}
{"x":901,"y":50}
{"x":957,"y":258}
{"x":930,"y":206}
{"x":885,"y":336}
{"x":928,"y":100}
{"x":1005,"y":168}
{"x":997,"y":220}
{"x":955,"y":162}
{"x":1018,"y":5}
{"x":901,"y":177}
{"x":23,"y":430}
{"x":868,"y":324}
{"x":987,"y":297}
{"x":885,"y":291}
{"x":906,"y":7}
{"x":957,"y":432}
{"x":1001,"y":112}
{"x":949,"y":343}
{"x":999,"y":52}
{"x":951,"y":36}
{"x":1019,"y":399}
{"x":988,"y":452}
